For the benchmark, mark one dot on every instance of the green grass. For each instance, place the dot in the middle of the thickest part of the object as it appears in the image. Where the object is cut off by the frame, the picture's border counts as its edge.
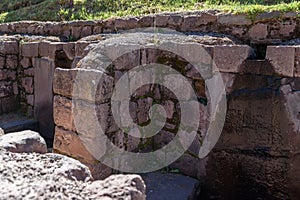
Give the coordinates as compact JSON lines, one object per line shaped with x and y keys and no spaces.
{"x":58,"y":10}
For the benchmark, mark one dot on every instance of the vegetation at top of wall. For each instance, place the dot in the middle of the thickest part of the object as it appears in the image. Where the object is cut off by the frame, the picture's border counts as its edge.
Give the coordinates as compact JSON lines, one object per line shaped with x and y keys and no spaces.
{"x":58,"y":10}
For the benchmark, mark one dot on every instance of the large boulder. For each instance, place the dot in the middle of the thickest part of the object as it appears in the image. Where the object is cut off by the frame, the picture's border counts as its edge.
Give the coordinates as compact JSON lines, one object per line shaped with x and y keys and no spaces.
{"x":53,"y":176}
{"x":23,"y":142}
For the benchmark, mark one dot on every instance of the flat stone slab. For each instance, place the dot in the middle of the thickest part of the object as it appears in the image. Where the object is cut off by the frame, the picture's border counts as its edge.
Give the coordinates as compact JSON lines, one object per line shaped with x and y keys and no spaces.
{"x":14,"y":122}
{"x":166,"y":186}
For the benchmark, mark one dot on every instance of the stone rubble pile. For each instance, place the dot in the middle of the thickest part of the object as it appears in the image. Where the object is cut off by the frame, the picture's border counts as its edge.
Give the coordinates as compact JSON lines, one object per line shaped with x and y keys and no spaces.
{"x":52,"y":176}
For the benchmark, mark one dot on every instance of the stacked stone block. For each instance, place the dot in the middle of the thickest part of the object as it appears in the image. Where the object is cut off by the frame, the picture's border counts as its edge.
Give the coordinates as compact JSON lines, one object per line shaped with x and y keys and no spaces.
{"x":141,"y":102}
{"x":270,"y":27}
{"x":9,"y":85}
{"x":257,"y":145}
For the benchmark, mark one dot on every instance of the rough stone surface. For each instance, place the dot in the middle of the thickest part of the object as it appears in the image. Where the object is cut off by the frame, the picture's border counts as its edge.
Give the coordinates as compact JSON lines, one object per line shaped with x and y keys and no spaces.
{"x":130,"y":187}
{"x":69,"y":143}
{"x":282,"y":58}
{"x":234,"y":19}
{"x":230,"y":58}
{"x":52,"y":176}
{"x":63,"y":116}
{"x":297,"y":62}
{"x":258,"y":31}
{"x":23,"y":142}
{"x":30,"y":49}
{"x":63,"y":82}
{"x":280,"y":25}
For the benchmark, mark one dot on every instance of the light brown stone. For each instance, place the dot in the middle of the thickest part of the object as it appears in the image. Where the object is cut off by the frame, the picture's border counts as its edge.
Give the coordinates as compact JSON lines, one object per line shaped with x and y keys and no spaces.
{"x":9,"y":47}
{"x":146,"y":21}
{"x":131,"y":60}
{"x":30,"y":49}
{"x":26,"y":62}
{"x":282,"y":58}
{"x":69,"y":143}
{"x":230,"y":58}
{"x":4,"y":27}
{"x":175,"y":20}
{"x":63,"y":82}
{"x":69,"y":49}
{"x":86,"y":31}
{"x":62,"y":113}
{"x":27,"y":84}
{"x":89,"y":86}
{"x":44,"y":49}
{"x":258,"y":32}
{"x":53,"y":47}
{"x":192,"y":22}
{"x":108,"y":26}
{"x":290,"y":14}
{"x":97,"y":29}
{"x":11,"y":62}
{"x":239,"y":31}
{"x":76,"y":31}
{"x":79,"y":48}
{"x":66,"y":30}
{"x":126,"y":23}
{"x":267,"y":15}
{"x":161,"y":20}
{"x":232,"y":19}
{"x":286,"y":29}
{"x":88,"y":120}
{"x":31,"y":28}
{"x":56,"y":29}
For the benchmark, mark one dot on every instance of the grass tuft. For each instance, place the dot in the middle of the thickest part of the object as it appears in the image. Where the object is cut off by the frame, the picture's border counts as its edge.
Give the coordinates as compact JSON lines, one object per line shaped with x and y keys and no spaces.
{"x":58,"y":10}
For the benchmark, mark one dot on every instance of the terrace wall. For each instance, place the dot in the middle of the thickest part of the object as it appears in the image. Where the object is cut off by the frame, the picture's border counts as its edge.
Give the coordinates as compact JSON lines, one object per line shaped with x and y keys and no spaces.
{"x":262,"y":120}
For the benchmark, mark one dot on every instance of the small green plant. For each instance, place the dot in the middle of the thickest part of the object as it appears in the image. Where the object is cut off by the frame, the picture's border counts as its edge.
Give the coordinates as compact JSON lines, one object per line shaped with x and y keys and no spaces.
{"x":70,"y":38}
{"x":167,"y":170}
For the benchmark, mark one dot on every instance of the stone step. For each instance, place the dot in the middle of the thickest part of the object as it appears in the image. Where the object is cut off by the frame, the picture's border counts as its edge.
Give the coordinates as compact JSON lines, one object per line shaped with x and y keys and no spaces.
{"x":166,"y":186}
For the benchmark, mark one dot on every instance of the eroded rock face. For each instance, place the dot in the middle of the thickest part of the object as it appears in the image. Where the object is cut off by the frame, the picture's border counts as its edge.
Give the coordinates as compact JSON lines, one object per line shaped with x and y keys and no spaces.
{"x":129,"y":187}
{"x":23,"y":142}
{"x":52,"y":176}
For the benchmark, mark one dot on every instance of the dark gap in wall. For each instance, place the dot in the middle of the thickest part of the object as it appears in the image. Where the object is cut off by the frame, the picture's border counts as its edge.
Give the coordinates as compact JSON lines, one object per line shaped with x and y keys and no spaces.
{"x":259,"y":51}
{"x":62,"y":60}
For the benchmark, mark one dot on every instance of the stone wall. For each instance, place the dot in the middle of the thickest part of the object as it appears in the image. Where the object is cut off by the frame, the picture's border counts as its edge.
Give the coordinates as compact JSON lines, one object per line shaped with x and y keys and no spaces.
{"x":271,"y":27}
{"x":257,"y":154}
{"x":27,"y":69}
{"x":9,"y":85}
{"x":39,"y":60}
